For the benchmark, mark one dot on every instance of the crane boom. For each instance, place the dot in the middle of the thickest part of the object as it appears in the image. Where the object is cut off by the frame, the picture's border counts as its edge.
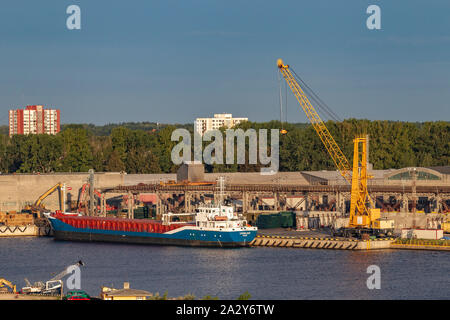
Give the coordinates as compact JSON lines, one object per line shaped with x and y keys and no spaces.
{"x":4,"y":282}
{"x":62,"y":274}
{"x":49,"y":192}
{"x":332,"y":147}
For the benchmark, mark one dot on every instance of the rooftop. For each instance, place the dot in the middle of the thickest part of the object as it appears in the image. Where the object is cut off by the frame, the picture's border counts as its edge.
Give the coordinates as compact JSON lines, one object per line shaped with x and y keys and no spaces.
{"x":441,"y":169}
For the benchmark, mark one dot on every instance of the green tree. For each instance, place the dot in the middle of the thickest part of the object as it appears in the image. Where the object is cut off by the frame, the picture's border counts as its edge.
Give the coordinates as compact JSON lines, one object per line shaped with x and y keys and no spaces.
{"x":147,"y":147}
{"x":114,"y":162}
{"x":77,"y":154}
{"x":163,"y":149}
{"x":40,"y":153}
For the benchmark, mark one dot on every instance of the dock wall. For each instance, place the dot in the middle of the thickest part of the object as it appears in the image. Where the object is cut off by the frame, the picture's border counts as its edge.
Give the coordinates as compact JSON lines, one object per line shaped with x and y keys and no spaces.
{"x":18,"y":190}
{"x":24,"y":231}
{"x":320,"y":243}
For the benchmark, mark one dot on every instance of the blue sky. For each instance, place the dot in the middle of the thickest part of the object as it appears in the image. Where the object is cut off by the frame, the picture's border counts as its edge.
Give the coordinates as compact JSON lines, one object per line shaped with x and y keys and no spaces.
{"x":173,"y":61}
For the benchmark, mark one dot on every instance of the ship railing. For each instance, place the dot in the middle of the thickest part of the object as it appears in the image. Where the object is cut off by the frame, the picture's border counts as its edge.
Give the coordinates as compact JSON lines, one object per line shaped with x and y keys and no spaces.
{"x":179,"y":222}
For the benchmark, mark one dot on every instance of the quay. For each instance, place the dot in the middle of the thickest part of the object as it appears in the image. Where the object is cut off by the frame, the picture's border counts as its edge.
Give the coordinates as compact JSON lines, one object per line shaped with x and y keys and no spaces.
{"x":30,"y":230}
{"x":320,"y":243}
{"x":418,"y":244}
{"x":321,"y":240}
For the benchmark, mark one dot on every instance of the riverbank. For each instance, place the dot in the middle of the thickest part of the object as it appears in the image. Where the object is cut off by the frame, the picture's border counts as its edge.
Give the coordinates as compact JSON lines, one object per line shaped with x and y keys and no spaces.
{"x":17,"y":296}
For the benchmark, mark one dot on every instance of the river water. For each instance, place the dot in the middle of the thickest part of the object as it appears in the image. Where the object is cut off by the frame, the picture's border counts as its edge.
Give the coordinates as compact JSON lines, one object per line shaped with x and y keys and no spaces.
{"x":266,"y":273}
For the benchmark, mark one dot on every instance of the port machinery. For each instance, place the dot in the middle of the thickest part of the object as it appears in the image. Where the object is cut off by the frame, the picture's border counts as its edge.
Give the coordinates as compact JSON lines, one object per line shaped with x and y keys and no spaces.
{"x":38,"y":206}
{"x":83,"y":200}
{"x":50,"y":287}
{"x":364,"y":217}
{"x":5,"y":284}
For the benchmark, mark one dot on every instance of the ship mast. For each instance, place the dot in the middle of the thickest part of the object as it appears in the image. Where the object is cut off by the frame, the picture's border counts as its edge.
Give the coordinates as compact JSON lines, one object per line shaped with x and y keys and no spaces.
{"x":221,"y":186}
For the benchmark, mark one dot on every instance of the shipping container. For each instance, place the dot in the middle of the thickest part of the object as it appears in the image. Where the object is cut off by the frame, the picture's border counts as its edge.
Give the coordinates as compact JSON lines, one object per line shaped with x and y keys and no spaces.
{"x":284,"y":219}
{"x":432,"y":234}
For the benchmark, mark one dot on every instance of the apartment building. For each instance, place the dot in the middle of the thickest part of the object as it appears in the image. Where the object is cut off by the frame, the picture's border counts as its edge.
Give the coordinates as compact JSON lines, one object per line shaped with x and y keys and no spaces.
{"x":220,"y":120}
{"x":34,"y":120}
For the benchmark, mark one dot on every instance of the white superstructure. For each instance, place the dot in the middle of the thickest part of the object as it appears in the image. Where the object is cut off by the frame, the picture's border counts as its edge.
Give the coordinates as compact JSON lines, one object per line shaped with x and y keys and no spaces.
{"x":220,"y":120}
{"x":213,"y":217}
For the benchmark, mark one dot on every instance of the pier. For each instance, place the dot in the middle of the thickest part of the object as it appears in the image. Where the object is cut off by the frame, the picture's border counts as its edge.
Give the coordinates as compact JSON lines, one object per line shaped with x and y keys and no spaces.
{"x":418,"y":244}
{"x":320,"y":243}
{"x":321,"y":240}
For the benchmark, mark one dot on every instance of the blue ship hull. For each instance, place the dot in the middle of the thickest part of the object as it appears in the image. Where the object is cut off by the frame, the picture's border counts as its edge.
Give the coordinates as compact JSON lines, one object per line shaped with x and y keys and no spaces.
{"x":184,"y":236}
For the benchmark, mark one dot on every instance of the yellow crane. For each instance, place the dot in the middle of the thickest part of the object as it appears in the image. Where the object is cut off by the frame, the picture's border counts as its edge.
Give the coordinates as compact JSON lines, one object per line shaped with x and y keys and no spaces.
{"x":38,"y":207}
{"x":362,"y":211}
{"x":5,"y":283}
{"x":49,"y":192}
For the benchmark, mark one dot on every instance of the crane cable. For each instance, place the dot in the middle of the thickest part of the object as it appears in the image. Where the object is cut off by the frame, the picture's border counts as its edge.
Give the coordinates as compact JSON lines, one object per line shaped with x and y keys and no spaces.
{"x":321,"y":105}
{"x":281,"y":100}
{"x":286,"y":100}
{"x":280,"y":80}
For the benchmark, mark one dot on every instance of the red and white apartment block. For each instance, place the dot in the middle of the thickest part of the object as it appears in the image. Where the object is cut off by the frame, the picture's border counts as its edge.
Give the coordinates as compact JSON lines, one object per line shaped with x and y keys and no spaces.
{"x":34,"y":120}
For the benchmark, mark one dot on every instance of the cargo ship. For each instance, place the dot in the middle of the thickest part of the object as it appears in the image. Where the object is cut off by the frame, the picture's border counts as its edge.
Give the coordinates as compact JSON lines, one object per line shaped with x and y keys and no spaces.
{"x":211,"y":226}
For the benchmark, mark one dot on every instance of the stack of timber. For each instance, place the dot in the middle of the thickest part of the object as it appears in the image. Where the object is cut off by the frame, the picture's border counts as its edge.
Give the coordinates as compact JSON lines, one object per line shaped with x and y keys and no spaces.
{"x":13,"y":224}
{"x":16,"y":219}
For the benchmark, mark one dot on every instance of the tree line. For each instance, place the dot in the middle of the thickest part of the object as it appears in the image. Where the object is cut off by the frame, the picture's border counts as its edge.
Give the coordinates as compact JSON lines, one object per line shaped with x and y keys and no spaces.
{"x":77,"y":148}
